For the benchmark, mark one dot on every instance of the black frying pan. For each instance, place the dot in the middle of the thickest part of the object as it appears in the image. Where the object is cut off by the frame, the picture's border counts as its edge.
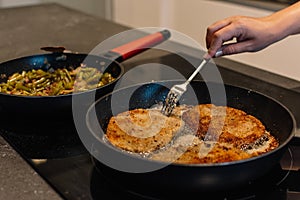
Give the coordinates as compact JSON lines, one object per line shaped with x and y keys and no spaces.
{"x":58,"y":107}
{"x":182,"y":178}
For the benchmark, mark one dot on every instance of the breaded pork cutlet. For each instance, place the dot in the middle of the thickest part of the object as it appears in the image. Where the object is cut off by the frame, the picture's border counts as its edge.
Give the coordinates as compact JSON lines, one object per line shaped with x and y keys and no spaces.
{"x":230,"y":126}
{"x":142,"y":130}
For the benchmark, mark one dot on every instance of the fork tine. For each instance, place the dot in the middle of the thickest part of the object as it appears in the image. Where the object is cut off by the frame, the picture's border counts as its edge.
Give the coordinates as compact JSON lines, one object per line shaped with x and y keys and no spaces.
{"x":176,"y":91}
{"x":173,"y":97}
{"x":169,"y":104}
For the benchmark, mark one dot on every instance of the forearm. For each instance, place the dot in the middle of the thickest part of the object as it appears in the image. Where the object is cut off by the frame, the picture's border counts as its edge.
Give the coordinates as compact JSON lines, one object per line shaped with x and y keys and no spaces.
{"x":252,"y":34}
{"x":287,"y":21}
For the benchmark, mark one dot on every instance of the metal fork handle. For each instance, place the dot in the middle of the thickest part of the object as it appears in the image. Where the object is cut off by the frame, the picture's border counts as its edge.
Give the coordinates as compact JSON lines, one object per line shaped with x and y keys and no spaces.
{"x":184,"y":85}
{"x":204,"y":61}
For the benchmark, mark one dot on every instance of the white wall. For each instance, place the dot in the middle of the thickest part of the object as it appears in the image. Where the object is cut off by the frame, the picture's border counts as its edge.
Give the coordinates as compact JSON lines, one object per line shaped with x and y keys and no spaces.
{"x":192,"y":17}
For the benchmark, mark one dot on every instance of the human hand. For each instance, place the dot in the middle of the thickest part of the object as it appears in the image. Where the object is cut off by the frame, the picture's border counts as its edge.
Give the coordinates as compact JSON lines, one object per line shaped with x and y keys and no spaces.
{"x":250,"y":34}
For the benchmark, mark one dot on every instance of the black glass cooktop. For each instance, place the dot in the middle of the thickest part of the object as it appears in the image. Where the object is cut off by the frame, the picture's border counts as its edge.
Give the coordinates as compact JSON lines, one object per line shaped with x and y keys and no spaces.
{"x":57,"y":154}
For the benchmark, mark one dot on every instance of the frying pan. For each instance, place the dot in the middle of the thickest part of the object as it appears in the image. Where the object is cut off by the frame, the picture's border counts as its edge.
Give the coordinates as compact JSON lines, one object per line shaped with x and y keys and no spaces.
{"x":43,"y":108}
{"x":125,"y":169}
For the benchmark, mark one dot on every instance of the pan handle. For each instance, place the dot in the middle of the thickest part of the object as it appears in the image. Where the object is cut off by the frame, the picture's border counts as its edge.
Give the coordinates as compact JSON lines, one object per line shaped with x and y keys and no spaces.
{"x":130,"y":49}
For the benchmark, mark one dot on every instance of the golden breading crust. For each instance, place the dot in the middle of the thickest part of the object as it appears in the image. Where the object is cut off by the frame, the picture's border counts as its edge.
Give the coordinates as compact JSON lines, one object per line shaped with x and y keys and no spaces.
{"x":205,"y":134}
{"x":142,"y":130}
{"x":228,"y":125}
{"x":193,"y":153}
{"x":220,"y":152}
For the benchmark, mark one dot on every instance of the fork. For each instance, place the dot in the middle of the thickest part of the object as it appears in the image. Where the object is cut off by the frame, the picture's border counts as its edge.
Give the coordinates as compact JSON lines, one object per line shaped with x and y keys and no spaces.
{"x":177,"y":91}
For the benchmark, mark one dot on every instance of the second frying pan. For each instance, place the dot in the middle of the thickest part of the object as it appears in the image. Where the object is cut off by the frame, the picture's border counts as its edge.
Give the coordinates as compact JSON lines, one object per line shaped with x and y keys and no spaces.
{"x":49,"y":108}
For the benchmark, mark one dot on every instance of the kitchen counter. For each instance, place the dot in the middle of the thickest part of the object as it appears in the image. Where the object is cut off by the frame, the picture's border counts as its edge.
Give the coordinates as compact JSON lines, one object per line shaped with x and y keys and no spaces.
{"x":18,"y":180}
{"x":23,"y":31}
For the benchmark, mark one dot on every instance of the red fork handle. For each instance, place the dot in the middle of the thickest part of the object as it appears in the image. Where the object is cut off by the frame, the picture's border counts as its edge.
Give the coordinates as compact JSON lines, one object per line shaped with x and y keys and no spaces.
{"x":130,"y":49}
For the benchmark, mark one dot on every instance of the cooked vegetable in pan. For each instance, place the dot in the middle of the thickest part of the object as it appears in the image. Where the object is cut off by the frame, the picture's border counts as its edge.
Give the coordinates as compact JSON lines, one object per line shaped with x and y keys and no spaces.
{"x":53,"y":82}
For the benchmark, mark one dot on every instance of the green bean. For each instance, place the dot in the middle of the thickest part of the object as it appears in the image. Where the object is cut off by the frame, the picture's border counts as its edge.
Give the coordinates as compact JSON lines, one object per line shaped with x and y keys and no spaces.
{"x":39,"y":81}
{"x":43,"y":84}
{"x":15,"y":78}
{"x":19,"y":86}
{"x":23,"y":73}
{"x":68,"y":74}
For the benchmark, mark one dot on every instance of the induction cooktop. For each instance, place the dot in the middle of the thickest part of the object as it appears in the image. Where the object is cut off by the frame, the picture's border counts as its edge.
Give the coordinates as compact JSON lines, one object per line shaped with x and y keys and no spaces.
{"x":58,"y":155}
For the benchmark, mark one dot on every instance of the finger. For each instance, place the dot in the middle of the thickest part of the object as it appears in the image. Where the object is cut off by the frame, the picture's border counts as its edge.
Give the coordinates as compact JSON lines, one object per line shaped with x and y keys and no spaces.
{"x":213,"y":28}
{"x":210,"y":54}
{"x":222,"y":36}
{"x":235,"y":48}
